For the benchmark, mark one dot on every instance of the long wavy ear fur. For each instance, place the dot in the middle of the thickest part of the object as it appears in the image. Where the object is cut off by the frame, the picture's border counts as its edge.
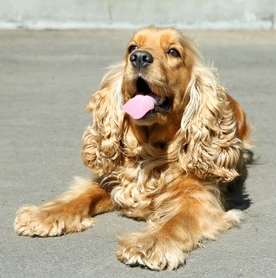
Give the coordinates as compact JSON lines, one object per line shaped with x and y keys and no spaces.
{"x":101,"y":140}
{"x":209,"y":144}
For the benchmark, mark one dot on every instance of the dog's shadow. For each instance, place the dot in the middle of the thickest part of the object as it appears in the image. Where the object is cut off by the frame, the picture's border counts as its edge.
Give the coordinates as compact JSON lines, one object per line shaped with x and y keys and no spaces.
{"x":235,"y":194}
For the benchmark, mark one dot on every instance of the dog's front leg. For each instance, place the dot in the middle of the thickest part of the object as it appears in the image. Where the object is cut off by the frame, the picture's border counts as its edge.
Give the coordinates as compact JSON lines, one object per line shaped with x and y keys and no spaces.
{"x":187,"y":212}
{"x":69,"y":213}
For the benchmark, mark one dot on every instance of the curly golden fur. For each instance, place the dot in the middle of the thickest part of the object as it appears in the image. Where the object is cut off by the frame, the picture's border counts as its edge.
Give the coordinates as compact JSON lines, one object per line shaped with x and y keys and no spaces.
{"x":167,"y":168}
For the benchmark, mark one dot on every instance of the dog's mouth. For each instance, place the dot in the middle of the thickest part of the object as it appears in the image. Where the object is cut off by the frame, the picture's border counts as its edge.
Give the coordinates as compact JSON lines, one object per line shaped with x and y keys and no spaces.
{"x":162,"y":104}
{"x":145,"y":102}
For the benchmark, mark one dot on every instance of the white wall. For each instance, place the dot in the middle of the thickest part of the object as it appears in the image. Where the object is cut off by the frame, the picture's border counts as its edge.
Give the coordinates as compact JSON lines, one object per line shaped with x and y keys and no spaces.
{"x":214,"y":14}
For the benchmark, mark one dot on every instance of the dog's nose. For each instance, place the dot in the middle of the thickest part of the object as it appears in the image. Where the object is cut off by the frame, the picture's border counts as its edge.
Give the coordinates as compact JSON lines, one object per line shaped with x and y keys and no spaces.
{"x":140,"y":59}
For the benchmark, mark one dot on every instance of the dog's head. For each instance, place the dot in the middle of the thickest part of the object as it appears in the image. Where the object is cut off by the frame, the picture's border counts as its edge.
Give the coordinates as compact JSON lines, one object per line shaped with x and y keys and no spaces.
{"x":158,"y":63}
{"x":170,"y":97}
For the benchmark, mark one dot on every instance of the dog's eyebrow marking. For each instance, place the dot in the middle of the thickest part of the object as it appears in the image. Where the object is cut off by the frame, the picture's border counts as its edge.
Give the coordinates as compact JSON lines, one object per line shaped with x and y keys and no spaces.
{"x":140,"y":39}
{"x":132,"y":42}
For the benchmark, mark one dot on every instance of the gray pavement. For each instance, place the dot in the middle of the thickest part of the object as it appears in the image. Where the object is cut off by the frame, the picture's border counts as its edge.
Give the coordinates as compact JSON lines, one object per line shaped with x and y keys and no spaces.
{"x":45,"y":81}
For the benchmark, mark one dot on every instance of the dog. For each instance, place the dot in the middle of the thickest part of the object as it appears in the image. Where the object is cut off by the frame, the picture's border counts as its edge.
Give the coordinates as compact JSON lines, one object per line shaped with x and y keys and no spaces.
{"x":165,"y":140}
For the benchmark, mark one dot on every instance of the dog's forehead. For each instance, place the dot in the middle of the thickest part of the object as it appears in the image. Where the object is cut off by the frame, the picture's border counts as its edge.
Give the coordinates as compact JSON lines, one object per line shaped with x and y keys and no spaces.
{"x":156,"y":37}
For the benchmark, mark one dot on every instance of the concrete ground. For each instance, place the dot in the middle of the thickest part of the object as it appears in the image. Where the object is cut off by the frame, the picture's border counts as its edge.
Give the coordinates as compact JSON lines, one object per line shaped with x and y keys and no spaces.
{"x":45,"y":81}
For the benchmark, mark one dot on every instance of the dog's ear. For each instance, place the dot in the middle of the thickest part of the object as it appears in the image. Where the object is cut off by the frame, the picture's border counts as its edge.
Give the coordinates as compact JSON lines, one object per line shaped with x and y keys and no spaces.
{"x":208,"y":135}
{"x":101,"y":139}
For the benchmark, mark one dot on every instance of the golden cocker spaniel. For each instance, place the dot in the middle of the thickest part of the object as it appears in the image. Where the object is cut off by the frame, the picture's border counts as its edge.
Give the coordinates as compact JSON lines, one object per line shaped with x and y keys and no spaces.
{"x":164,"y":141}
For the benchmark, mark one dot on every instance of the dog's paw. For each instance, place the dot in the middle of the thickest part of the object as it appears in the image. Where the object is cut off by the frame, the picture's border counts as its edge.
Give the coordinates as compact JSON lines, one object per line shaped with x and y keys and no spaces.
{"x":151,"y":251}
{"x":43,"y":222}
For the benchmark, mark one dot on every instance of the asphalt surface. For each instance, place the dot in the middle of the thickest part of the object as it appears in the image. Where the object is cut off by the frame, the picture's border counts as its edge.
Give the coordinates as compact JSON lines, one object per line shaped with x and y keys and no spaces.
{"x":45,"y":81}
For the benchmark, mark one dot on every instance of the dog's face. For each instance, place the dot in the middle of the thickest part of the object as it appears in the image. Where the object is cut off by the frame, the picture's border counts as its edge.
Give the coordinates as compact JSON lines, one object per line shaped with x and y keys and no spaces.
{"x":158,"y":63}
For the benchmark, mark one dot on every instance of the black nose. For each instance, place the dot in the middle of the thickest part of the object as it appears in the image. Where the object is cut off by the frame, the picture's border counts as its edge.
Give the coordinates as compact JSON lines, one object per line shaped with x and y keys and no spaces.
{"x":140,"y":59}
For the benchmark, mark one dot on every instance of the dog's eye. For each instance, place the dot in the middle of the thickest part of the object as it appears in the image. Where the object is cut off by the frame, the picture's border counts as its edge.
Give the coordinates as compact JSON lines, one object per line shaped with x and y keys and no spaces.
{"x":173,"y":52}
{"x":131,"y":48}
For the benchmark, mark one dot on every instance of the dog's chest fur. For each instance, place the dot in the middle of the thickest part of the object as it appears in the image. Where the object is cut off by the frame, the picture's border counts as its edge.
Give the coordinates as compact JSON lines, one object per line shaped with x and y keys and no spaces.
{"x":145,"y":173}
{"x":136,"y":185}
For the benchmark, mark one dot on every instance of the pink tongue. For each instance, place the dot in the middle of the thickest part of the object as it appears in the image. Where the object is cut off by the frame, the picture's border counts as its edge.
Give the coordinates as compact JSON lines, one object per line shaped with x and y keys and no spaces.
{"x":139,"y":106}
